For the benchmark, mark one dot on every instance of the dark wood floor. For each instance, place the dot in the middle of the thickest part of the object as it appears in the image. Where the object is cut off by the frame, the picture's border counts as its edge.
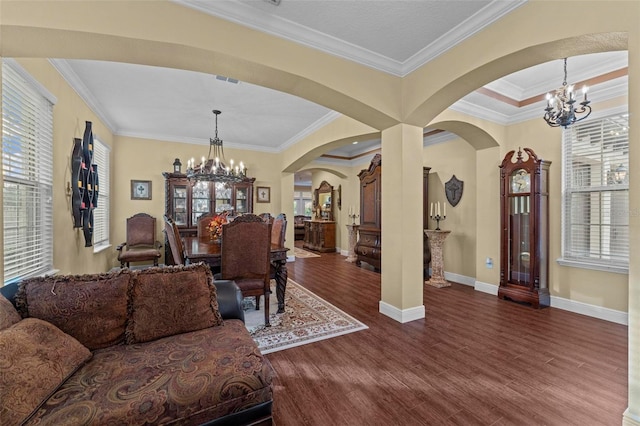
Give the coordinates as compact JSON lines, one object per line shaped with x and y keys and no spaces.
{"x":474,"y":360}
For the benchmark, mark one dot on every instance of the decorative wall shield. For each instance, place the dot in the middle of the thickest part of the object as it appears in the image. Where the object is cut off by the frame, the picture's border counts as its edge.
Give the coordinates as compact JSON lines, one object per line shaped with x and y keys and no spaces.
{"x":453,"y":190}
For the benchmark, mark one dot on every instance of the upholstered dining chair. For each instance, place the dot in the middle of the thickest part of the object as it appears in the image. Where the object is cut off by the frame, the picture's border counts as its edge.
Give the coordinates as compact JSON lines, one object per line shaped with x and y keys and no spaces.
{"x":245,"y":257}
{"x":203,"y":222}
{"x":175,"y":242}
{"x":278,"y":231}
{"x":141,"y":244}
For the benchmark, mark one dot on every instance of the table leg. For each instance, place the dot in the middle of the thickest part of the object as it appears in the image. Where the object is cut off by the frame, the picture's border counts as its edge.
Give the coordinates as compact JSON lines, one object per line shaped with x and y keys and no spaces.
{"x":281,"y":283}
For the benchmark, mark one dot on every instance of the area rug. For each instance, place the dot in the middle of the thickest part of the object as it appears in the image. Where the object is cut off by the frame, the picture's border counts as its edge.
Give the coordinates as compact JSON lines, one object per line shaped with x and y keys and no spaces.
{"x":307,"y":319}
{"x":303,"y":254}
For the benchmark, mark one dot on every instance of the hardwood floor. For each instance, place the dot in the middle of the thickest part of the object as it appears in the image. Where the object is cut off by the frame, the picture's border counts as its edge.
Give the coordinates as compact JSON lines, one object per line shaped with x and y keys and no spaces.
{"x":474,"y":360}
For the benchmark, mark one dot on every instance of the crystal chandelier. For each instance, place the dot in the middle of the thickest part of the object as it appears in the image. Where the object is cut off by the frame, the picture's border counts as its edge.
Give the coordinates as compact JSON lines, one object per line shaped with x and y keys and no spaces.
{"x":213,"y":168}
{"x":560,"y":110}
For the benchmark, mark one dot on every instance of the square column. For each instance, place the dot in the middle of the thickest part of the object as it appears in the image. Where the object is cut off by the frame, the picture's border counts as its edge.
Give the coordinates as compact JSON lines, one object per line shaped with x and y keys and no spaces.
{"x":402,"y":232}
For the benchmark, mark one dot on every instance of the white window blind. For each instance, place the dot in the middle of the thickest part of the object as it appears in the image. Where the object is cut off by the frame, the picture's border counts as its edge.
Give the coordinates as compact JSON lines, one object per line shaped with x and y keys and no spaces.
{"x":27,"y":154}
{"x":596,"y":192}
{"x":101,"y":213}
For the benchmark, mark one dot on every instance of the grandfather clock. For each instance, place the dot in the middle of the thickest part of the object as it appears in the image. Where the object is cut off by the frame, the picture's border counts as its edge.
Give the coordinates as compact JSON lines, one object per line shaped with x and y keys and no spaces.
{"x":524,"y":222}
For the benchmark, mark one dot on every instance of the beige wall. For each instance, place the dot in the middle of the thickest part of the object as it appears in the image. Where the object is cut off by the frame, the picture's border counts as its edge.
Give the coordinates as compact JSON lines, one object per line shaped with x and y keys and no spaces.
{"x":456,"y":157}
{"x":69,"y":115}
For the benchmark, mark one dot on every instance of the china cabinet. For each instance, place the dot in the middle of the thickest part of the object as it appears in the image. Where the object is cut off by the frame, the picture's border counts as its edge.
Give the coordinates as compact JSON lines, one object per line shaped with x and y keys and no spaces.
{"x":369,"y":245}
{"x":186,"y":201}
{"x":524,"y":220}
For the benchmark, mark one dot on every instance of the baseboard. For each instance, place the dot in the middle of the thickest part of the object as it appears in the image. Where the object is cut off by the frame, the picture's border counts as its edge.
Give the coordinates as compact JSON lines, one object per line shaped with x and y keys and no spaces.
{"x":291,"y":258}
{"x":629,"y":419}
{"x":344,"y":252}
{"x":402,"y":315}
{"x":460,"y":279}
{"x":594,"y":311}
{"x":486,"y":288}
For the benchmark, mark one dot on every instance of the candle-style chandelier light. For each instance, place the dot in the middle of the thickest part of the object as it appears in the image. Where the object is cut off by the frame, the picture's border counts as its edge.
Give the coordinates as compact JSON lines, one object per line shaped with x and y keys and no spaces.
{"x":214,"y":168}
{"x":561,"y":109}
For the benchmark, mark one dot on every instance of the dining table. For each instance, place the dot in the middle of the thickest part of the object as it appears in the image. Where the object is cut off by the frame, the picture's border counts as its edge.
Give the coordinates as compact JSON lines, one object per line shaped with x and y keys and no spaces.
{"x":203,"y":249}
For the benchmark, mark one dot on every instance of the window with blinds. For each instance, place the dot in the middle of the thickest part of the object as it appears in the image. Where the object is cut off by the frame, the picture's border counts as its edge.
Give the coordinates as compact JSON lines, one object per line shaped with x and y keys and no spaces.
{"x":596,"y":192}
{"x":27,"y":155}
{"x":101,"y":213}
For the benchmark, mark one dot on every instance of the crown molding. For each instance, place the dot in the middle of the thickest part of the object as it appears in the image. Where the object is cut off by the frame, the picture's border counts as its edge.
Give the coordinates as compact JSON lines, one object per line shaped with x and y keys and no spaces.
{"x":67,"y":73}
{"x":248,"y":16}
{"x":485,"y":17}
{"x":315,"y":126}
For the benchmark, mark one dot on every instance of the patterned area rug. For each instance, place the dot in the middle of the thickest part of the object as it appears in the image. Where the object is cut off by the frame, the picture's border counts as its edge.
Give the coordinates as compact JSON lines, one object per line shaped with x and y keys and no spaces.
{"x":303,"y":254}
{"x":307,"y":319}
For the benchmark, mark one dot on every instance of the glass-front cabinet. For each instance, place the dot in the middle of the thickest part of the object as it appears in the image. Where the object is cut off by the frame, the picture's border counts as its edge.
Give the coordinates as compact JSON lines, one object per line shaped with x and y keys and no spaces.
{"x":186,"y":201}
{"x":524,"y":211}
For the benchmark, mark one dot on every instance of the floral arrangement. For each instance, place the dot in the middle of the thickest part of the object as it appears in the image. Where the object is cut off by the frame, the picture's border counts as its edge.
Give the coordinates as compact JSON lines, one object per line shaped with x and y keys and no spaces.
{"x":215,"y":226}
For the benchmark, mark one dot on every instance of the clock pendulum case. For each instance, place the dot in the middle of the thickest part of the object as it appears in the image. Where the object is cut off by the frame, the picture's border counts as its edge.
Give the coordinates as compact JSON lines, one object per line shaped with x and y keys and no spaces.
{"x":524,"y":224}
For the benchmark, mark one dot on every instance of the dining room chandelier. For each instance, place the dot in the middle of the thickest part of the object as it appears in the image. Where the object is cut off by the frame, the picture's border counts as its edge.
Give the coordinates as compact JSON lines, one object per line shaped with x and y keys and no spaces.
{"x":561,"y":109}
{"x":213,"y":167}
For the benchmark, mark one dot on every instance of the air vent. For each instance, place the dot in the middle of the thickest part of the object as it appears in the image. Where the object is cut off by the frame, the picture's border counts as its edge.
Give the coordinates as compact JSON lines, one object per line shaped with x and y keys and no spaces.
{"x":223,"y":78}
{"x":273,"y":2}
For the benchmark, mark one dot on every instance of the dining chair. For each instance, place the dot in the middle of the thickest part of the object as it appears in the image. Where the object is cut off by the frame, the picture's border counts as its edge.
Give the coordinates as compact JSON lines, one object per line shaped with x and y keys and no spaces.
{"x":203,"y":222}
{"x":245,"y":257}
{"x":265,"y":216}
{"x":141,"y":244}
{"x":175,"y":242}
{"x":278,"y":230}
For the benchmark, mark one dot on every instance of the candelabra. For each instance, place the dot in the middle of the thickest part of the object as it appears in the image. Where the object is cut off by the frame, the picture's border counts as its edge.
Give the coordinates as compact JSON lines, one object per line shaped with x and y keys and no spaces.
{"x":353,"y":218}
{"x":437,"y":217}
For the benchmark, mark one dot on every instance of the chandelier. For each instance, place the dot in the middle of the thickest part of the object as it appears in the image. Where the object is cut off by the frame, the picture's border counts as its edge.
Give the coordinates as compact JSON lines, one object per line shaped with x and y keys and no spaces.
{"x":213,"y":168}
{"x":561,"y":110}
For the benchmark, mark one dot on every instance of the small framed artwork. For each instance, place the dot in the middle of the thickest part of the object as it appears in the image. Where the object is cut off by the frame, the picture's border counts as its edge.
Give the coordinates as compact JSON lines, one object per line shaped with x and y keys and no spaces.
{"x":140,"y":189}
{"x":264,"y":194}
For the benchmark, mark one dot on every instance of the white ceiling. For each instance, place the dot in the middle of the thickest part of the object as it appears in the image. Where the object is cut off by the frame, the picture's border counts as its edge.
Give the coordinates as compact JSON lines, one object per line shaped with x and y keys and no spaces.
{"x":392,"y":36}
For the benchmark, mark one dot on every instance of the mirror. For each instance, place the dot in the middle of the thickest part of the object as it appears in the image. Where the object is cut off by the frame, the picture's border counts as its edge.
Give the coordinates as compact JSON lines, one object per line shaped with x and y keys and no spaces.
{"x":323,"y":201}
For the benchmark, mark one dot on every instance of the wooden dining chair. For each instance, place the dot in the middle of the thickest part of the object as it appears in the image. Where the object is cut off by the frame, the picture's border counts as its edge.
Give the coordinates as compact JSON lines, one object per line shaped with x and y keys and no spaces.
{"x":141,"y":244}
{"x":245,"y":257}
{"x":203,"y":222}
{"x":278,"y":232}
{"x":175,"y":242}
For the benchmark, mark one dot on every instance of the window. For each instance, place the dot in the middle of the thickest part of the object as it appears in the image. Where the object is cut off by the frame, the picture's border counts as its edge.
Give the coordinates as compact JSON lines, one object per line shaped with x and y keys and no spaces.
{"x":27,"y":154}
{"x":101,"y":213}
{"x":302,"y":203}
{"x":596,"y":193}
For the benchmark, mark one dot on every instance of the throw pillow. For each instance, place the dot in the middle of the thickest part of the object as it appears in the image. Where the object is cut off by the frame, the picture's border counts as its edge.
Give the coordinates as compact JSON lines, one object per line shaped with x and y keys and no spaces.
{"x":8,"y":313}
{"x":171,"y":300}
{"x":91,"y":308}
{"x":36,"y":359}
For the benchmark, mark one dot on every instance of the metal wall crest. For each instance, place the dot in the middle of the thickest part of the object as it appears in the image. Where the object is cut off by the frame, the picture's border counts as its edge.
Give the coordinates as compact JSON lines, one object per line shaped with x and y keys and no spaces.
{"x":453,"y":190}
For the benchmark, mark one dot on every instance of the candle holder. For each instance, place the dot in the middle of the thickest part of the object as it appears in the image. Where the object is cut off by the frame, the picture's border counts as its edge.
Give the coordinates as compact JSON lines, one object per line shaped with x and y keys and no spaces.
{"x":438,"y":218}
{"x":353,"y":218}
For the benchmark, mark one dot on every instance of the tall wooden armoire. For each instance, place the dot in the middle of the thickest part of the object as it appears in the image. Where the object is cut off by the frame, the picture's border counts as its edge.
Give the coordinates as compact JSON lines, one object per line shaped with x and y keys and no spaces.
{"x":369,"y":246}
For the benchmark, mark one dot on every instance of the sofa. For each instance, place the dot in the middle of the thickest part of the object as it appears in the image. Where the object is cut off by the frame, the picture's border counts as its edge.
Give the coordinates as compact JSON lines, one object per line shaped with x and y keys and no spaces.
{"x":163,"y":345}
{"x":298,"y":226}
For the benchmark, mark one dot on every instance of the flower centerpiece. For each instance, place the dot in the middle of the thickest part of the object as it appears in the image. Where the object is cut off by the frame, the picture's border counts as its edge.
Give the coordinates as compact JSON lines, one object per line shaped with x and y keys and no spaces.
{"x":215,"y":226}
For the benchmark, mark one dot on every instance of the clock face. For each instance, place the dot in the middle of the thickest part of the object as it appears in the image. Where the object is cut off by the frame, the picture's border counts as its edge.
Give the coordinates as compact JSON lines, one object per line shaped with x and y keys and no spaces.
{"x":520,"y":181}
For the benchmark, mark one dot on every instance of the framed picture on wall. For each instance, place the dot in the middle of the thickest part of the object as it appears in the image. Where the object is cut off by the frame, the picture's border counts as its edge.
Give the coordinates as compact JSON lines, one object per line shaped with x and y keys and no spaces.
{"x":264,"y":194}
{"x":140,"y":189}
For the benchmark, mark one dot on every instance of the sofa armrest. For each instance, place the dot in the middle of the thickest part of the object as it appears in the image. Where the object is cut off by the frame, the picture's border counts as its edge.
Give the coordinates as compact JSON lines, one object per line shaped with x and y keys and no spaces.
{"x":229,"y":299}
{"x":9,"y":291}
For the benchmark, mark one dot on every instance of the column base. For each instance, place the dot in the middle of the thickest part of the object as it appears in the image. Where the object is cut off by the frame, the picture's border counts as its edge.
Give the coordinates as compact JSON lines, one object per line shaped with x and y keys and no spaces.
{"x":352,"y":259}
{"x":438,"y":283}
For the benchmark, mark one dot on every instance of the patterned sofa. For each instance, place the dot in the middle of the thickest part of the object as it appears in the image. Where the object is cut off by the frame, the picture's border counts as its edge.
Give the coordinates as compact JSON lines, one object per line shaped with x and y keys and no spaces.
{"x":162,"y":345}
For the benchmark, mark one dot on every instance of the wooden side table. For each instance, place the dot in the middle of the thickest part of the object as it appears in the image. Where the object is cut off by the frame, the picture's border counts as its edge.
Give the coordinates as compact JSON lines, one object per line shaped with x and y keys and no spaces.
{"x":436,"y":240}
{"x":353,"y":239}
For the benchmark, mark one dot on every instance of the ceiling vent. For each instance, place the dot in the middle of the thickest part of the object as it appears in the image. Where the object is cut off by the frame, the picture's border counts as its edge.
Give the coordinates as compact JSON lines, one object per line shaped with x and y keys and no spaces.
{"x":273,"y":2}
{"x":223,"y":78}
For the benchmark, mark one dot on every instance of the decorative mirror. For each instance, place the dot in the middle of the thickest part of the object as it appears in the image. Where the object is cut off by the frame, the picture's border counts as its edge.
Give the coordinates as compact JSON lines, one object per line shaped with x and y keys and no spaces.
{"x":323,"y":201}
